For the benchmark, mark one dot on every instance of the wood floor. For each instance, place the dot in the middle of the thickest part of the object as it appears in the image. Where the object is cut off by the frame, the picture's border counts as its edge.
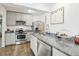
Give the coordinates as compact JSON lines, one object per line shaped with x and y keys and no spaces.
{"x":16,"y":50}
{"x":0,"y":41}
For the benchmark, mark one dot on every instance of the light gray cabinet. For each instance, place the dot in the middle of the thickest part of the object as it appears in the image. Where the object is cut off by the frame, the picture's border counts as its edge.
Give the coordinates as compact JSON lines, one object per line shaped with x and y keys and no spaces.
{"x":10,"y":38}
{"x":27,"y":18}
{"x":10,"y":18}
{"x":57,"y":52}
{"x":18,"y":16}
{"x":33,"y":44}
{"x":24,"y":17}
{"x":28,"y":37}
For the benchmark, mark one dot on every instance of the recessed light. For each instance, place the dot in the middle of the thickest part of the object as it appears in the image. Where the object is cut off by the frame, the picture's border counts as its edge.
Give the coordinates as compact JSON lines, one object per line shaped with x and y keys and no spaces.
{"x":30,"y":11}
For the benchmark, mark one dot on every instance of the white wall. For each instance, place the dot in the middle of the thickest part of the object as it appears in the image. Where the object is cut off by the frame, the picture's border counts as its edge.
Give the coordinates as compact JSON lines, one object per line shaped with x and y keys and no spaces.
{"x":40,"y":17}
{"x":3,"y":13}
{"x":71,"y":18}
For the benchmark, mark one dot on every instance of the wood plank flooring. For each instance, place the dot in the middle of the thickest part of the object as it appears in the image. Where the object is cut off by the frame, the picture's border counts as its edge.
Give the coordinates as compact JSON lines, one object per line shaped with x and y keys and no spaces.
{"x":0,"y":41}
{"x":16,"y":50}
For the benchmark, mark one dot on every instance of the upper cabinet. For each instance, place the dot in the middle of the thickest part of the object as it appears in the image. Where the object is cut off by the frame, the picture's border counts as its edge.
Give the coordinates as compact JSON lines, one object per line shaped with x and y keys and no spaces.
{"x":27,"y":18}
{"x":14,"y":17}
{"x":18,"y":16}
{"x":11,"y":17}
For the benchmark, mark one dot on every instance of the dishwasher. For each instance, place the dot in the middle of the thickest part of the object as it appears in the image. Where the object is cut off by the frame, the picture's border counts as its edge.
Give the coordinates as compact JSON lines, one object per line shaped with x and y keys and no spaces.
{"x":43,"y":49}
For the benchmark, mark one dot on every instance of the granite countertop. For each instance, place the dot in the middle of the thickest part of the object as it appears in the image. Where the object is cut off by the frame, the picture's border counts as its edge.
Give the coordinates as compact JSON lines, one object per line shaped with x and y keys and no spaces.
{"x":69,"y":49}
{"x":9,"y":31}
{"x":17,"y":31}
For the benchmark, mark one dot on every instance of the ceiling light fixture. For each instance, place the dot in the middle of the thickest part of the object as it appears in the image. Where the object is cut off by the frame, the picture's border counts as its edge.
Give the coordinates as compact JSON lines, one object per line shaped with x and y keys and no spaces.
{"x":30,"y":11}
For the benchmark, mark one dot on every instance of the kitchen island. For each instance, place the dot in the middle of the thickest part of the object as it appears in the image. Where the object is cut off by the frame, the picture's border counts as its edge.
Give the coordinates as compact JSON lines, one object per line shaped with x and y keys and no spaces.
{"x":68,"y":49}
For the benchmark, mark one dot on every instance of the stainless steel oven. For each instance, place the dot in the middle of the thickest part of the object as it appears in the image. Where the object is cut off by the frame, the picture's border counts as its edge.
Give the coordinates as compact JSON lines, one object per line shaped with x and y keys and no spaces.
{"x":20,"y":35}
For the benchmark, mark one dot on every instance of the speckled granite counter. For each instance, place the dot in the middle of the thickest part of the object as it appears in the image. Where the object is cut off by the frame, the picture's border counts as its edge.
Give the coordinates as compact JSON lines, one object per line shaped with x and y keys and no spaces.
{"x":68,"y":49}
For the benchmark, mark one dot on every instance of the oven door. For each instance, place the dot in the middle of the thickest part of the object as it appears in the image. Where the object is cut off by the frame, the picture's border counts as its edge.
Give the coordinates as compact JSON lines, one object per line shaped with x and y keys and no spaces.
{"x":21,"y":36}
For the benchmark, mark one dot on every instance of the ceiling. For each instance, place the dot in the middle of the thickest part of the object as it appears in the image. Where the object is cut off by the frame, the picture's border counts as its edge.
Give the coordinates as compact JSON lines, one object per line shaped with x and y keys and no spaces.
{"x":37,"y":8}
{"x":40,"y":6}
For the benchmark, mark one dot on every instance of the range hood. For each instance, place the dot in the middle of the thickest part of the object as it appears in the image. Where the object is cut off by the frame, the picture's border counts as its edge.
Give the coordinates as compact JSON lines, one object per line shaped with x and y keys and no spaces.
{"x":20,"y":23}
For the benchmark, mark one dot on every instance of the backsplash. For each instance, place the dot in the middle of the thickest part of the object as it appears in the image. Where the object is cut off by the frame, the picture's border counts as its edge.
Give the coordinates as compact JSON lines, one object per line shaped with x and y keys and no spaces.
{"x":16,"y":27}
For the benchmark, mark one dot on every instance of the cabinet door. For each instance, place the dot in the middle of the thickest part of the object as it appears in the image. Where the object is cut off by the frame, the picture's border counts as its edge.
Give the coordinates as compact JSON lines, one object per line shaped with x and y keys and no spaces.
{"x":11,"y":17}
{"x":7,"y":37}
{"x":10,"y":38}
{"x":58,"y":53}
{"x":43,"y":49}
{"x":27,"y":37}
{"x":18,"y":17}
{"x":34,"y":44}
{"x":24,"y":17}
{"x":27,"y":18}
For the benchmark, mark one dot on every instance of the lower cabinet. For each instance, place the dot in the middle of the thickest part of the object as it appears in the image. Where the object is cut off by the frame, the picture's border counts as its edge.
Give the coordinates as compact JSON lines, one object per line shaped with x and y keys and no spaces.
{"x":57,"y":52}
{"x":33,"y":44}
{"x":41,"y":48}
{"x":27,"y":37}
{"x":10,"y":38}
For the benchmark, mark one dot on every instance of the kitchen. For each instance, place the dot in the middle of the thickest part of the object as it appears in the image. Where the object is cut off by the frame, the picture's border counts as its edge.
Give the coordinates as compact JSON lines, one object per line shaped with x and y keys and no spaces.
{"x":40,"y":31}
{"x":21,"y":25}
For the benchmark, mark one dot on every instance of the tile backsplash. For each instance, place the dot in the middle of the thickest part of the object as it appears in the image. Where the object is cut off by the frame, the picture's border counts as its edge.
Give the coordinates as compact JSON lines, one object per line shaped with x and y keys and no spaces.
{"x":16,"y":27}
